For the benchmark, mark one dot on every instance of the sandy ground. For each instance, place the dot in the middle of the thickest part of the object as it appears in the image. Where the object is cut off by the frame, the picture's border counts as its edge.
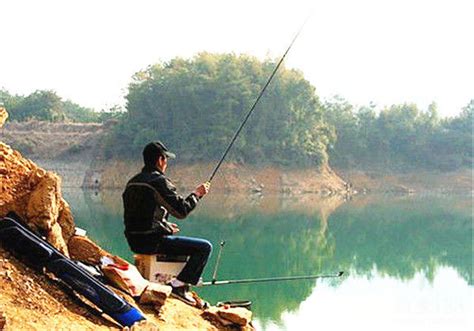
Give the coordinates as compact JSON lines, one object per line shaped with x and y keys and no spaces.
{"x":33,"y":301}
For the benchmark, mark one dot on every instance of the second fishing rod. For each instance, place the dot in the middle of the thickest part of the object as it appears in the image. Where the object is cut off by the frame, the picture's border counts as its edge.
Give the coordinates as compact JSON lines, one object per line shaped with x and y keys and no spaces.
{"x":215,"y":281}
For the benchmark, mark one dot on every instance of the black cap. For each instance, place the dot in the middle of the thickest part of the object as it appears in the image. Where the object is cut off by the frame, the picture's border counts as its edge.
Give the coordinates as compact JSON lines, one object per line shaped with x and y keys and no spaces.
{"x":155,"y":149}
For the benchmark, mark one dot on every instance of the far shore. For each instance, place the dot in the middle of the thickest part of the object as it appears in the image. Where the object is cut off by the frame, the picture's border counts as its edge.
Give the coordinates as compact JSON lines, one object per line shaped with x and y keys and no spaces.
{"x":76,"y":153}
{"x":238,"y":178}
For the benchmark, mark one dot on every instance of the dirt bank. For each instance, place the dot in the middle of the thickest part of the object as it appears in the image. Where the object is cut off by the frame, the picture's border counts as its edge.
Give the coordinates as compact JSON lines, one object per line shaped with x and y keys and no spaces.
{"x":245,"y":179}
{"x":75,"y":152}
{"x":420,"y":181}
{"x":68,"y":149}
{"x":234,"y":178}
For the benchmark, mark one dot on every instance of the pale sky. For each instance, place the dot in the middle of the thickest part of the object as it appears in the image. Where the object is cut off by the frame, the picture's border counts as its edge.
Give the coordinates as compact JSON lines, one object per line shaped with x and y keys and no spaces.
{"x":382,"y":51}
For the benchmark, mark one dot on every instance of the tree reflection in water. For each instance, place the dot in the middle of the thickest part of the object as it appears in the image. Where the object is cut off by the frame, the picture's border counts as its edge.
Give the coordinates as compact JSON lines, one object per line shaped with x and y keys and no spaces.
{"x":290,"y":236}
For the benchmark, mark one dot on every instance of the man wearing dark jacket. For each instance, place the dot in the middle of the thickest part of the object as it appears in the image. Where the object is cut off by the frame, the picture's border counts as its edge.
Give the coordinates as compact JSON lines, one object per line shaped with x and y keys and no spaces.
{"x":149,"y":198}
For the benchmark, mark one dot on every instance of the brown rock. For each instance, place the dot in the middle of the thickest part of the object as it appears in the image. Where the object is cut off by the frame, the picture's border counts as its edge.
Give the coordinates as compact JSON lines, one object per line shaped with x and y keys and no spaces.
{"x":155,"y":294}
{"x":118,"y":260}
{"x":43,"y":205}
{"x":66,"y":220}
{"x":35,"y":195}
{"x":85,"y":250}
{"x":237,"y":315}
{"x":55,"y":237}
{"x":212,"y":315}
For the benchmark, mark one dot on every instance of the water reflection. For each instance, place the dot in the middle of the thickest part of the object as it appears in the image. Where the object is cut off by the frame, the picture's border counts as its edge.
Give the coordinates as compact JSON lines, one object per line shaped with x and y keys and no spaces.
{"x":381,"y":302}
{"x":399,"y":238}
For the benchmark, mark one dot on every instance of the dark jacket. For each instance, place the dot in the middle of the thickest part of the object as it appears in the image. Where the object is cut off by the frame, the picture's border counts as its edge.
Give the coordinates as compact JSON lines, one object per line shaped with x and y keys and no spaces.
{"x":148,"y":199}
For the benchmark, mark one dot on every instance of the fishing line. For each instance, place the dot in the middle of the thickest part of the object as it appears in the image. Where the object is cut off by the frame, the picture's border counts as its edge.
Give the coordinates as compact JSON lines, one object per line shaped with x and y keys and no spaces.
{"x":256,"y":102}
{"x":236,"y":134}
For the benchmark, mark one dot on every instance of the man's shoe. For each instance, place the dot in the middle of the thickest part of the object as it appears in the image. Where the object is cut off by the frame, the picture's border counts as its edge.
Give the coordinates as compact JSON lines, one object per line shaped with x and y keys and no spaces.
{"x":182,"y":293}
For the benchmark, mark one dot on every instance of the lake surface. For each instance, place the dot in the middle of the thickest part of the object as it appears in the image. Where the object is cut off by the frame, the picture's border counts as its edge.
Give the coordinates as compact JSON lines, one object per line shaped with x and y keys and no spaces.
{"x":408,"y":260}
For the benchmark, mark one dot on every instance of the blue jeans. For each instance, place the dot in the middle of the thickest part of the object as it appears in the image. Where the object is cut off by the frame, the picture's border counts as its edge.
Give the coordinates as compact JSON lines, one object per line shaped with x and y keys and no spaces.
{"x":197,"y":249}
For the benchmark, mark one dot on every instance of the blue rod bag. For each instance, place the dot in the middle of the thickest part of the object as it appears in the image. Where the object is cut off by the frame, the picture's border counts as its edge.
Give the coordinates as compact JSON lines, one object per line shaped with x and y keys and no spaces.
{"x":21,"y":241}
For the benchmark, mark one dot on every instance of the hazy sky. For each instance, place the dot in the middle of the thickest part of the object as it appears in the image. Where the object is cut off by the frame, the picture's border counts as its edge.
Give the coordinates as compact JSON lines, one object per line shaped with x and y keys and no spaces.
{"x":366,"y":50}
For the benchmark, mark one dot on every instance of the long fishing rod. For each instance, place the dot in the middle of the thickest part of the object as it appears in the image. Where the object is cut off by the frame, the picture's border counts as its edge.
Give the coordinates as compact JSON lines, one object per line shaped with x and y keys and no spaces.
{"x":272,"y":279}
{"x":255,"y":103}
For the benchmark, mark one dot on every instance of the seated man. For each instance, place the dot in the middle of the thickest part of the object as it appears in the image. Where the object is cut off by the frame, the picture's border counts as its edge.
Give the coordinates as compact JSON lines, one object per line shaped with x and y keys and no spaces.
{"x":148,"y":199}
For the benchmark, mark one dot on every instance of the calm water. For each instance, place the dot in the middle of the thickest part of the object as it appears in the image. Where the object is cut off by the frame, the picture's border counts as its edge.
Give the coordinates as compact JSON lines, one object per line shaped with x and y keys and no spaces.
{"x":409,"y":260}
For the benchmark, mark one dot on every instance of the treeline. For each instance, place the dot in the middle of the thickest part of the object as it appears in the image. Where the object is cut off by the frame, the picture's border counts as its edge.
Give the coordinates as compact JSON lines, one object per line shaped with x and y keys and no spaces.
{"x":195,"y":105}
{"x":46,"y":105}
{"x":399,"y":137}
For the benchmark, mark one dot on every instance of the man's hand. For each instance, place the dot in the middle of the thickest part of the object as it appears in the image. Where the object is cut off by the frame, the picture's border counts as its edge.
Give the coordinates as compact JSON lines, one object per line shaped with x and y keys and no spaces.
{"x":202,"y":189}
{"x":174,"y":227}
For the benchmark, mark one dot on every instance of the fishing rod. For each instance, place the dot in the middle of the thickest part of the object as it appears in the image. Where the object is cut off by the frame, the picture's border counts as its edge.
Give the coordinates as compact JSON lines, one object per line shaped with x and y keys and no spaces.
{"x":271,"y":279}
{"x":255,"y":103}
{"x":214,"y":280}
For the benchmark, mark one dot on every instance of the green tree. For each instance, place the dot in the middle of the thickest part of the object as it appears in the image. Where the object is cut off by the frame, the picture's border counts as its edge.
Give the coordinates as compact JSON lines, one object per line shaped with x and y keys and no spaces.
{"x":40,"y":105}
{"x":76,"y":113}
{"x":452,"y":144}
{"x":9,"y":101}
{"x":341,"y":115}
{"x":46,"y":105}
{"x":399,"y":137}
{"x":195,"y":105}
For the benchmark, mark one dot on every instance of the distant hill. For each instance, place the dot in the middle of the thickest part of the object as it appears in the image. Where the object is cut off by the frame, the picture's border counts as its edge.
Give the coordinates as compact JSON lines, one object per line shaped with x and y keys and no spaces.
{"x":69,"y":149}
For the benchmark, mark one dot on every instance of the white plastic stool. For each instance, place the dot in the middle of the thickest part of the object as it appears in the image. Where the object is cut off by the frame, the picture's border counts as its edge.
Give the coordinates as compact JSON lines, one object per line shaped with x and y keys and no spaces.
{"x":160,"y":268}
